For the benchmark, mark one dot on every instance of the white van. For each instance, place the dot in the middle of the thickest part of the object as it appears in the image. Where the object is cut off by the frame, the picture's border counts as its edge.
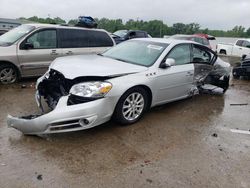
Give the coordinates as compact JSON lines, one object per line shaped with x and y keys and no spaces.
{"x":29,"y":49}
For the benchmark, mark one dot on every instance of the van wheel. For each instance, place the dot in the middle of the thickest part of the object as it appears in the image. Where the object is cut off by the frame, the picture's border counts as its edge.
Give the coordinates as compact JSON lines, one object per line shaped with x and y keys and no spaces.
{"x":131,"y":106}
{"x":8,"y":74}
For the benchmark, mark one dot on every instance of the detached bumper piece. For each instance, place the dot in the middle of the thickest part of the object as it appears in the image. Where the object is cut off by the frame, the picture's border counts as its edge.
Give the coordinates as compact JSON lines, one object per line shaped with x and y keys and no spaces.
{"x":64,"y":118}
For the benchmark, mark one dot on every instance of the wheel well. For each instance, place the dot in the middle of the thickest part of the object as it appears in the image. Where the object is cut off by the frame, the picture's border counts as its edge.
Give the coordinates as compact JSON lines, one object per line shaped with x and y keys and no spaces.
{"x":9,"y":63}
{"x":223,"y":51}
{"x":149,"y":93}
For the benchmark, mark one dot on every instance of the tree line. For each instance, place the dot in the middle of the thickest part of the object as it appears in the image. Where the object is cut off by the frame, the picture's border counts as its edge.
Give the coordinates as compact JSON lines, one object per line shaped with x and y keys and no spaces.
{"x":156,"y":28}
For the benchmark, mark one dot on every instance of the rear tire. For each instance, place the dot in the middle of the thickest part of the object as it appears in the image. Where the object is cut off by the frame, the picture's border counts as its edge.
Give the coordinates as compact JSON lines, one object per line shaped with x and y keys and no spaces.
{"x":223,"y":52}
{"x":131,"y":106}
{"x":236,"y":76}
{"x":8,"y":74}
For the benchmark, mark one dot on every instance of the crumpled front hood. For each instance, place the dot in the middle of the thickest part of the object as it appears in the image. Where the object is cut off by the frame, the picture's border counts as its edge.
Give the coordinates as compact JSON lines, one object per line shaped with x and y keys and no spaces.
{"x":93,"y":65}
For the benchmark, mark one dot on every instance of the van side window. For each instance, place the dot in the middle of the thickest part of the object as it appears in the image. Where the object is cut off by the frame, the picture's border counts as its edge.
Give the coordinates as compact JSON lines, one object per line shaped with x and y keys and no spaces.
{"x":45,"y":39}
{"x":73,"y":38}
{"x":79,"y":38}
{"x":99,"y":39}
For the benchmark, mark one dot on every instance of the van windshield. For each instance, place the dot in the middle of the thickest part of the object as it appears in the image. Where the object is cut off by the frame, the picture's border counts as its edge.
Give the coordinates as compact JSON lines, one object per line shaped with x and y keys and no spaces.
{"x":15,"y":34}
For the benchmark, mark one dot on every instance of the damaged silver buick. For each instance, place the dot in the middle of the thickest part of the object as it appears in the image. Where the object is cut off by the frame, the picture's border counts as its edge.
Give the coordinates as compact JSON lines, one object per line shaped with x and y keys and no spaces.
{"x":121,"y":84}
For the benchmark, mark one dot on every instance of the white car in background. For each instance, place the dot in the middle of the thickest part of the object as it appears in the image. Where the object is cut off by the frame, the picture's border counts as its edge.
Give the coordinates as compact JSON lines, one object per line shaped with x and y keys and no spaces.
{"x":240,"y":48}
{"x":121,"y":83}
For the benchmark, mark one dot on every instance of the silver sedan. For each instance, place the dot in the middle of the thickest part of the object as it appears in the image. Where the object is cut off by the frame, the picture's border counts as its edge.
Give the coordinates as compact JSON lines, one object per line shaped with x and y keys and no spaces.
{"x":121,"y":84}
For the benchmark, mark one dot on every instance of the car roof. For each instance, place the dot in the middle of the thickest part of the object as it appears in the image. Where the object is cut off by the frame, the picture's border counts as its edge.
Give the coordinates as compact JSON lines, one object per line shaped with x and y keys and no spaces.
{"x":38,"y":25}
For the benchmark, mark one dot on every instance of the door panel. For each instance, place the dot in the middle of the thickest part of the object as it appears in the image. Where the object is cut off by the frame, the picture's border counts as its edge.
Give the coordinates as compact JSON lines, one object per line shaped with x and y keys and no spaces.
{"x":35,"y":61}
{"x":174,"y":83}
{"x":81,"y":41}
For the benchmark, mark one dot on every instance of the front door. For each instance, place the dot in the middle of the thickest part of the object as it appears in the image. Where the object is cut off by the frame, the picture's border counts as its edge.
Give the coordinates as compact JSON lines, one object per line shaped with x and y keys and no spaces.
{"x":175,"y":82}
{"x":35,"y":60}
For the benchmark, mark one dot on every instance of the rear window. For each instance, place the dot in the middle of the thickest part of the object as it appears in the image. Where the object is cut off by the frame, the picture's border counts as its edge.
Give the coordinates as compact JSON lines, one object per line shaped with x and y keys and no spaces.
{"x":79,"y":38}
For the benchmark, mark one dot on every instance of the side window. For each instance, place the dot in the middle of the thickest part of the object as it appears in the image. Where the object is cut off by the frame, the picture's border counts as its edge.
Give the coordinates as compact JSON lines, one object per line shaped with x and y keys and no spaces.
{"x":205,"y":42}
{"x":99,"y":39}
{"x":201,"y":56}
{"x":239,"y":42}
{"x":140,"y":34}
{"x":45,"y":39}
{"x":246,"y":44}
{"x":73,"y":38}
{"x":132,"y":35}
{"x":181,"y":54}
{"x":198,"y":40}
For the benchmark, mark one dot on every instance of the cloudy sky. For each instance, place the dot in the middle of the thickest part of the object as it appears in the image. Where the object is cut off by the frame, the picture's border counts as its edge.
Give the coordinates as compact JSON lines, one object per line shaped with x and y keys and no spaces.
{"x":214,"y":14}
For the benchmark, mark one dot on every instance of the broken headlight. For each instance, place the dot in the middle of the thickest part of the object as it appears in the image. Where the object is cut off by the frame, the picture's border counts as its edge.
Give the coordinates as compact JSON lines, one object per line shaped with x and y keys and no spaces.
{"x":91,"y":89}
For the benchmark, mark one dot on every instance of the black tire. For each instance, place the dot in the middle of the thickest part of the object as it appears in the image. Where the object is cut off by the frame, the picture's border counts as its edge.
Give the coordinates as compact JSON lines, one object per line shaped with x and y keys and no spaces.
{"x":14,"y":74}
{"x":236,"y":76}
{"x":118,"y":115}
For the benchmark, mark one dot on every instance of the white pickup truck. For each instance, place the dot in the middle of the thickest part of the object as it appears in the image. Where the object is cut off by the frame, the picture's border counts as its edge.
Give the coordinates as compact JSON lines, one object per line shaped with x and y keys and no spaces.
{"x":240,"y":48}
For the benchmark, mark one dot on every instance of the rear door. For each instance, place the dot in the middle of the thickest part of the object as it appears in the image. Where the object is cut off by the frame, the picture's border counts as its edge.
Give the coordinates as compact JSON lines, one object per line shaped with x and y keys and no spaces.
{"x":35,"y":61}
{"x":83,"y":41}
{"x":73,"y":41}
{"x":175,"y":82}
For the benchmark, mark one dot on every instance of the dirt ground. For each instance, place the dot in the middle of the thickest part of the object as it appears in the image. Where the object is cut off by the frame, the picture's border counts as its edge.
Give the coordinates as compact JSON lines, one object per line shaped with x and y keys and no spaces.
{"x":183,"y":144}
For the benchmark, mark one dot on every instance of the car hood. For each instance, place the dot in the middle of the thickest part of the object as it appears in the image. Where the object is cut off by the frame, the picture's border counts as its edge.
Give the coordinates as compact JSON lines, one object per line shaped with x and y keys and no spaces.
{"x":93,"y":65}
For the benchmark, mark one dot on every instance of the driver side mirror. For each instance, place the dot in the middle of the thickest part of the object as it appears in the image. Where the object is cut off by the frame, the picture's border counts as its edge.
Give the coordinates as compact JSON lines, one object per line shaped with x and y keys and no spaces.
{"x":169,"y":62}
{"x":28,"y":46}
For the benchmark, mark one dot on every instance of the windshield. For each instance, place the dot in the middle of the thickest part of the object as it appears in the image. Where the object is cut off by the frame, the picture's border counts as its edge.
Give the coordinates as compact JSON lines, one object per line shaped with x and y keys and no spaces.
{"x":15,"y":34}
{"x":143,"y":53}
{"x":121,"y":33}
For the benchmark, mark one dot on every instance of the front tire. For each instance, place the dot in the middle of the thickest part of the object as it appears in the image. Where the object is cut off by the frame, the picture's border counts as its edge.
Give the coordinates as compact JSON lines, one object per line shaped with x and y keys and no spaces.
{"x":8,"y":74}
{"x":131,"y":106}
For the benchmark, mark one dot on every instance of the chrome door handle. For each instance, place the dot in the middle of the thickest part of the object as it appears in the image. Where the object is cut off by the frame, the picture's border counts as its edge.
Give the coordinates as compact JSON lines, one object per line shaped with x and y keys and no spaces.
{"x":69,"y":53}
{"x":53,"y":52}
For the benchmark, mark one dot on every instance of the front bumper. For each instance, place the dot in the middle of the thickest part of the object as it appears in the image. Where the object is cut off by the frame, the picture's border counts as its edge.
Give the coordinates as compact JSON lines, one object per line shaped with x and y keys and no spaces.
{"x":241,"y":71}
{"x":66,"y":118}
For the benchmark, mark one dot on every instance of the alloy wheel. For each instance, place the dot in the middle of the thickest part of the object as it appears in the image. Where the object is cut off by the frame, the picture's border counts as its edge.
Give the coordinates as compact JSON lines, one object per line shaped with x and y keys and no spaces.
{"x":133,"y":106}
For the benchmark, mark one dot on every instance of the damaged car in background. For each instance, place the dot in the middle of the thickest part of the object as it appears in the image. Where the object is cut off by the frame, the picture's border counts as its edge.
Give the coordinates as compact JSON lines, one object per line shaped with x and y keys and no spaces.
{"x":121,"y":84}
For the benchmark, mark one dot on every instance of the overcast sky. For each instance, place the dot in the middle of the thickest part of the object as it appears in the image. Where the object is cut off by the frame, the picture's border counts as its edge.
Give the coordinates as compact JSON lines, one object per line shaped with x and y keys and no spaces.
{"x":214,"y":14}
